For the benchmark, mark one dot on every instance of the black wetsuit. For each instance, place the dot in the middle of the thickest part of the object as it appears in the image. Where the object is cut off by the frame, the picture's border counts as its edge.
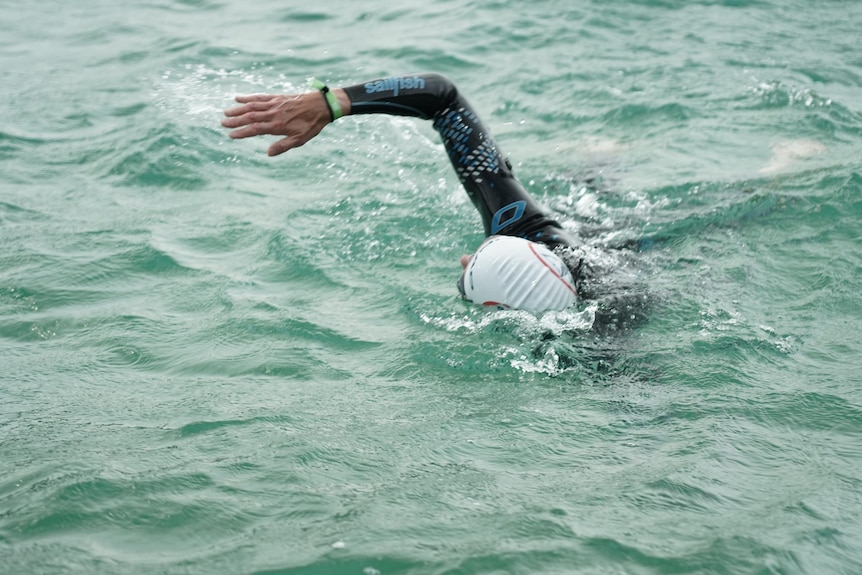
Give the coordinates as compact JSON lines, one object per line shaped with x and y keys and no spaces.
{"x":505,"y":206}
{"x":486,"y":174}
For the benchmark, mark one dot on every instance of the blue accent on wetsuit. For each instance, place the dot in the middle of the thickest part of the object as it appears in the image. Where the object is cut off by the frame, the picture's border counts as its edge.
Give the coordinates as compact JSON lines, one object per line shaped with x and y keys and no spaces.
{"x":505,"y":206}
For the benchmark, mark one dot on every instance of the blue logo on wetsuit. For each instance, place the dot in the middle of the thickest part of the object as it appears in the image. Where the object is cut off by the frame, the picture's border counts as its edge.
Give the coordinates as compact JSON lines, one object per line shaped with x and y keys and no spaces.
{"x":518,"y":207}
{"x":395,"y":84}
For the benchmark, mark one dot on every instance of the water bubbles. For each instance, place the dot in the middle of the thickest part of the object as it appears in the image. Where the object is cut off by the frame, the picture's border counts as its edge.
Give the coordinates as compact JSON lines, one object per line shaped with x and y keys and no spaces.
{"x":198,"y":90}
{"x":776,"y":94}
{"x":527,"y":342}
{"x":517,"y":321}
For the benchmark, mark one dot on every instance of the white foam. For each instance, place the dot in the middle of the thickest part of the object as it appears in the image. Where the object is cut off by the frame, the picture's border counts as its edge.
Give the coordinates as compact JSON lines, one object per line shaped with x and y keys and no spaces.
{"x":522,"y":323}
{"x":200,"y":92}
{"x":787,"y":153}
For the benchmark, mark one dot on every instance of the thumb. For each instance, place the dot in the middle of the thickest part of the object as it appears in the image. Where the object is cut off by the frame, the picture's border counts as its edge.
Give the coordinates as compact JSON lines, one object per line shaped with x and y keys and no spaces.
{"x":282,"y":146}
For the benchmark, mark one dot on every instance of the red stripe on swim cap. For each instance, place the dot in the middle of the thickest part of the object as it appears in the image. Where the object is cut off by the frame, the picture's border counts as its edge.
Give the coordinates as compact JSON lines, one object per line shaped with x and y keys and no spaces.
{"x":552,"y":270}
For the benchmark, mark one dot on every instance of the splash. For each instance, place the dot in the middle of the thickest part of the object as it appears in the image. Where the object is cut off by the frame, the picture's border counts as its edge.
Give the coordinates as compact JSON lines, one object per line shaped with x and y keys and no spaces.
{"x":520,"y":323}
{"x":199,"y":92}
{"x":537,"y":344}
{"x":776,"y":94}
{"x":788,"y":153}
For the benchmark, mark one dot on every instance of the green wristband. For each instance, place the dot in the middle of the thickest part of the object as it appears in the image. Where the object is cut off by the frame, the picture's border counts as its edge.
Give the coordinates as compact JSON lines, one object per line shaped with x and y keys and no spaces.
{"x":331,"y":99}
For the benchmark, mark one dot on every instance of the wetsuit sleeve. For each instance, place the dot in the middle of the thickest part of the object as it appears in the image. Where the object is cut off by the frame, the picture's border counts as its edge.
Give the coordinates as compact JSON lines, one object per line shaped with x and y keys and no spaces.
{"x":505,"y":206}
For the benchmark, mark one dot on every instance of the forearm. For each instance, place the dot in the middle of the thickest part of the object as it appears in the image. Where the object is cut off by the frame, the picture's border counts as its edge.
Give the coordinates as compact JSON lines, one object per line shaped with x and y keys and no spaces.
{"x":503,"y":203}
{"x":419,"y":95}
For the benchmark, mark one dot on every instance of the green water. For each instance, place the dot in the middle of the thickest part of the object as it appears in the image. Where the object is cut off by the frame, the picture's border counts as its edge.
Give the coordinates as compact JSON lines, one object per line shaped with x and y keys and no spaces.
{"x":212,"y":361}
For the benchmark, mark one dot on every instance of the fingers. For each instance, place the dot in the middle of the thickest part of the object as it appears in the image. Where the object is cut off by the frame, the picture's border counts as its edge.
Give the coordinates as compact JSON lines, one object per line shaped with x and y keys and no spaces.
{"x":253,"y":118}
{"x":259,"y":107}
{"x":247,"y":131}
{"x":244,"y":99}
{"x":246,"y":119}
{"x":259,"y":112}
{"x":253,"y":106}
{"x":295,"y":116}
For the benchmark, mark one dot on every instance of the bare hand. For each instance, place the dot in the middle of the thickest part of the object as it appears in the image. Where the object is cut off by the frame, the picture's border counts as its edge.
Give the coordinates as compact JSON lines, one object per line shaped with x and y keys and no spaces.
{"x":299,"y":117}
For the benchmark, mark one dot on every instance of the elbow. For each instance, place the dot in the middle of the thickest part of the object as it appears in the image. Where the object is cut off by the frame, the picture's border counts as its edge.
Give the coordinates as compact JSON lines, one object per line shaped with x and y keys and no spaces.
{"x":444,"y":88}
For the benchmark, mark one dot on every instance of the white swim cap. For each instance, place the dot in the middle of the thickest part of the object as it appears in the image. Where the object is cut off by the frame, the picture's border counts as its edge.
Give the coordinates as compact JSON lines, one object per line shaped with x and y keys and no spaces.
{"x":515,"y":273}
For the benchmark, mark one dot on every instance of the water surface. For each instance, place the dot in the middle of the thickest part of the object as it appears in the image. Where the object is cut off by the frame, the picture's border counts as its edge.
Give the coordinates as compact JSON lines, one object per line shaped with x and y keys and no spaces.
{"x":212,"y":361}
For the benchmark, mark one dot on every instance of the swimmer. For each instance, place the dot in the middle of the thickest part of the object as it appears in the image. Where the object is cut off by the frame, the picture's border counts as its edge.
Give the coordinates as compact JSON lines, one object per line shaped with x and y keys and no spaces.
{"x":519,"y":265}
